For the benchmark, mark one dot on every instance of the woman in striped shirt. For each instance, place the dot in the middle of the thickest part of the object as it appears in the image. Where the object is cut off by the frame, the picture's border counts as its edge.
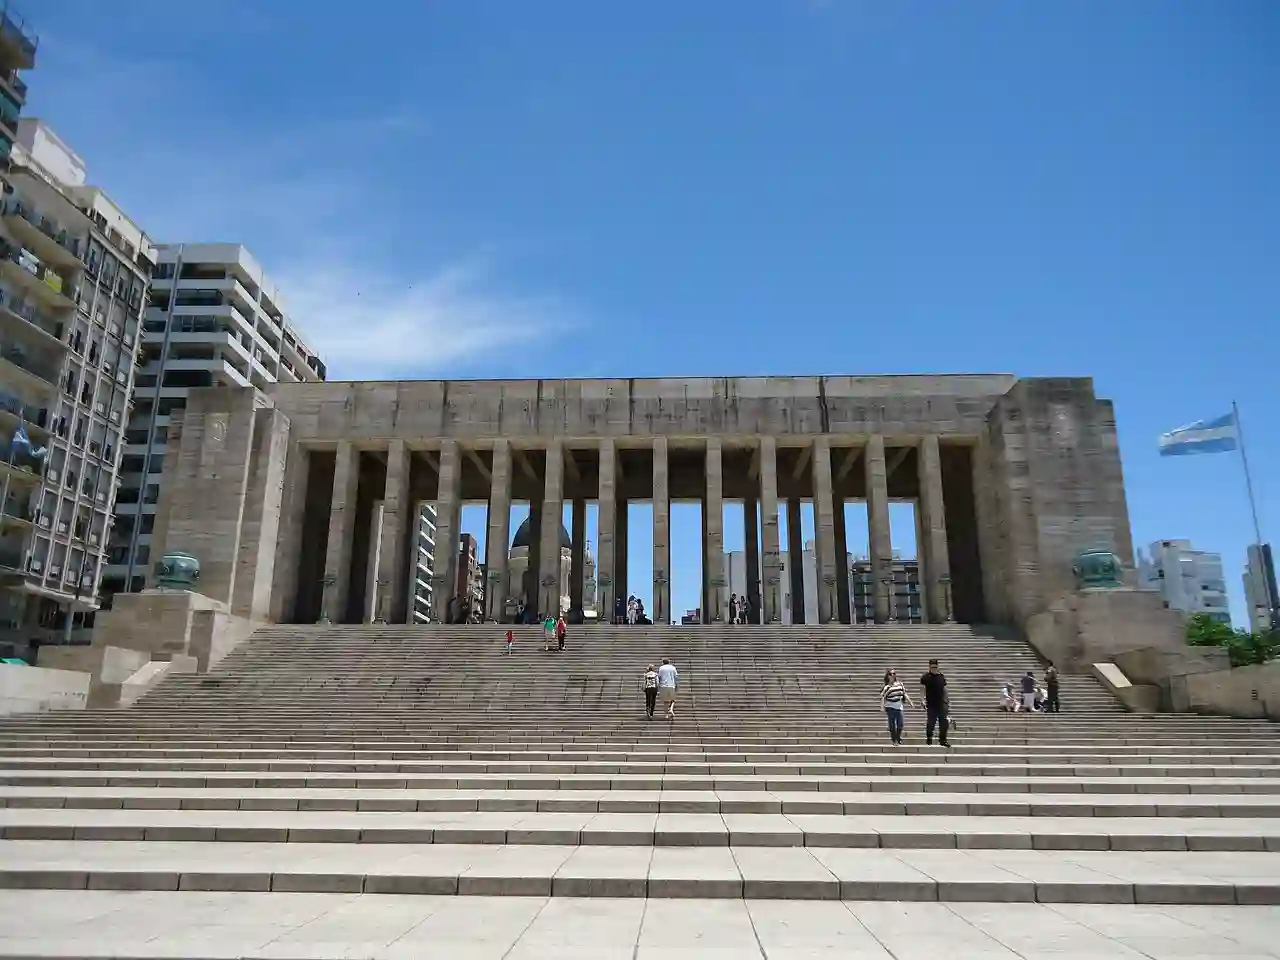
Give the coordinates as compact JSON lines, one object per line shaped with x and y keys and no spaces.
{"x":893,"y":697}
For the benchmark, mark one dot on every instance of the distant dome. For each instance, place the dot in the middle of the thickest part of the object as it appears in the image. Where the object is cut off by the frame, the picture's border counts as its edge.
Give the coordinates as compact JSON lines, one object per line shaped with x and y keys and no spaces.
{"x":524,"y":533}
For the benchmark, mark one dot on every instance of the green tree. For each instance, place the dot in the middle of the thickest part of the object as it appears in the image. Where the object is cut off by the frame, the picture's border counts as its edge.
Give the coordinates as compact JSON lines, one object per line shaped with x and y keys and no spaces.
{"x":1242,"y":646}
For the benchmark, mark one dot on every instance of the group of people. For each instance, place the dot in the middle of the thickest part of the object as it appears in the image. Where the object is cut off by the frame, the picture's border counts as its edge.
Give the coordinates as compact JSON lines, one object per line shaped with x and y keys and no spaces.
{"x":1033,"y":697}
{"x":630,"y":611}
{"x":661,"y":681}
{"x":739,"y":608}
{"x":554,"y":632}
{"x":895,"y":699}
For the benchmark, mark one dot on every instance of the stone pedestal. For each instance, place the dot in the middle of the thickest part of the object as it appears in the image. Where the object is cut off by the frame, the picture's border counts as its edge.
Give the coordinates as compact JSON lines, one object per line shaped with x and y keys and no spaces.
{"x":1129,"y":628}
{"x":169,"y":623}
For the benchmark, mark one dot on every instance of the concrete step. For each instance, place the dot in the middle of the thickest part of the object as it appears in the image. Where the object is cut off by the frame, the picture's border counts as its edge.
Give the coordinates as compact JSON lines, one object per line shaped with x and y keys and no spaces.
{"x":551,"y":828}
{"x":807,"y":873}
{"x":94,"y":925}
{"x":578,"y":785}
{"x":626,"y":775}
{"x":394,"y":797}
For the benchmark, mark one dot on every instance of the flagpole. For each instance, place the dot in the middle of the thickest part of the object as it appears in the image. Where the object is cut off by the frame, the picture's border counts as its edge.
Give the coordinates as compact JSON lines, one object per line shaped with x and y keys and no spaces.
{"x":1248,"y":480}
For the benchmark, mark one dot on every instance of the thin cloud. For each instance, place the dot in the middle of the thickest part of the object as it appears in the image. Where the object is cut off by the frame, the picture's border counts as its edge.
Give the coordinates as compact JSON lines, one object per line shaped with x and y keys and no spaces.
{"x":371,"y":329}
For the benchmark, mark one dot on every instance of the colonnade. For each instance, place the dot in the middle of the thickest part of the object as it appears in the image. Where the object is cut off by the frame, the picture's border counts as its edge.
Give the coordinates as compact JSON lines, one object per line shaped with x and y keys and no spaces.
{"x":812,"y":473}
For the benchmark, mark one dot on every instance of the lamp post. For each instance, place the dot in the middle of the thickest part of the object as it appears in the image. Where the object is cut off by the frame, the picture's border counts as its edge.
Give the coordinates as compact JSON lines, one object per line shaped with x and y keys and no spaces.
{"x":380,"y":614}
{"x":328,"y":581}
{"x":945,"y":583}
{"x":886,"y":583}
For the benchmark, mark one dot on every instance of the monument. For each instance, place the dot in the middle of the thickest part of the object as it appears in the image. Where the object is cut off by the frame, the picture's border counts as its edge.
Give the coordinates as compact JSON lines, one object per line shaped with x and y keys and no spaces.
{"x":279,"y":492}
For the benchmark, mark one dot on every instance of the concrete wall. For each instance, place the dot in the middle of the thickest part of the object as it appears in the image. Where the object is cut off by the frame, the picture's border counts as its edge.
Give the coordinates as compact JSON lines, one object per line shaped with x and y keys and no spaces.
{"x":107,"y":664}
{"x":1239,"y":692}
{"x":1055,"y":487}
{"x":31,"y":689}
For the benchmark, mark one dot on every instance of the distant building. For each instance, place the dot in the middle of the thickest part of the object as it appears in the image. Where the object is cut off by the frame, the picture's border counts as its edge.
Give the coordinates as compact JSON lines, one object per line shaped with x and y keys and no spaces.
{"x":1189,"y":580}
{"x":904,"y":591}
{"x":1260,"y":589}
{"x":469,"y":587}
{"x":905,"y":586}
{"x":214,"y":318}
{"x":421,"y":592}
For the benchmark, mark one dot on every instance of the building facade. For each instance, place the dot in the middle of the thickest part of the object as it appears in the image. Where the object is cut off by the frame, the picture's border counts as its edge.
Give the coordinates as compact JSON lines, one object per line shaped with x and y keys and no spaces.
{"x":1189,"y":580}
{"x":1261,"y":596}
{"x":18,"y":44}
{"x":469,"y":584}
{"x":214,"y":318}
{"x":422,"y":565}
{"x":74,"y":272}
{"x":1012,"y":480}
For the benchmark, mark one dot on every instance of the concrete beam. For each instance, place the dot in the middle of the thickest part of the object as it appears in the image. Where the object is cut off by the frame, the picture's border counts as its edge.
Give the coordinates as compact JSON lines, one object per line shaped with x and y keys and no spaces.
{"x":475,"y":458}
{"x":896,"y":462}
{"x":847,"y":463}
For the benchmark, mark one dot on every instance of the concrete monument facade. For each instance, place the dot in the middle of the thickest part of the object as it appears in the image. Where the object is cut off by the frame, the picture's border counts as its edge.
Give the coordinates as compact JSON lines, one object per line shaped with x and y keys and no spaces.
{"x":289,"y":497}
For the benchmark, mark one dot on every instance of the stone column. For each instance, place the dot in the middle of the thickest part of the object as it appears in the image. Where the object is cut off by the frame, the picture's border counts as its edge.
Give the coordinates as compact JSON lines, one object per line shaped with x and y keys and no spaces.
{"x":444,"y":579}
{"x":621,"y":569}
{"x":373,"y":572}
{"x":771,"y":605}
{"x":933,"y":530}
{"x":293,"y":508}
{"x":342,"y":517}
{"x":550,"y":589}
{"x":824,"y":529}
{"x":844,"y":605}
{"x":498,"y":545}
{"x":661,"y":612}
{"x":751,"y":531}
{"x":529,"y":585}
{"x":795,"y":559}
{"x":392,"y":536}
{"x":606,"y":527}
{"x":260,"y":523}
{"x":713,"y":536}
{"x":578,"y":562}
{"x":881,"y":545}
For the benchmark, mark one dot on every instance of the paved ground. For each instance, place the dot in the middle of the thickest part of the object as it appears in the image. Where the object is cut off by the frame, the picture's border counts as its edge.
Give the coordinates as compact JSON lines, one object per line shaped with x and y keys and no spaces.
{"x":282,"y":926}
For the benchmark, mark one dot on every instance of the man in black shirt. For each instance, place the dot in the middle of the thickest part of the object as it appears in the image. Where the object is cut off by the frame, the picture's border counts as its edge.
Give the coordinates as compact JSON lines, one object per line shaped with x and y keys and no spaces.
{"x":935,"y":704}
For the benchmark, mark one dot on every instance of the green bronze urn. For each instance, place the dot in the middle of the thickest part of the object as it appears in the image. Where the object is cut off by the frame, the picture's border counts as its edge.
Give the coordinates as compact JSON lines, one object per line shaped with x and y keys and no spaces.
{"x":177,"y":571}
{"x":1097,"y":569}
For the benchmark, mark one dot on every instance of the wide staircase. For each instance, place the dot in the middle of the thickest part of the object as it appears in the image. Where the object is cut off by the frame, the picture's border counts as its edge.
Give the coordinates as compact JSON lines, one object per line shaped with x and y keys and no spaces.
{"x":424,"y":761}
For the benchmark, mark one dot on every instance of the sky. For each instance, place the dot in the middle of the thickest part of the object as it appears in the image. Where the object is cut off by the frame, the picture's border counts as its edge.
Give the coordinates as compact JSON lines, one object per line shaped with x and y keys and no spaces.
{"x":475,"y":188}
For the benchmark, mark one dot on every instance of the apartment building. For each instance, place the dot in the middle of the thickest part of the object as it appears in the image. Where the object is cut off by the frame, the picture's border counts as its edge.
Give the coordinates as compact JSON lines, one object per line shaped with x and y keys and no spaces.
{"x":74,"y":271}
{"x":421,"y":591}
{"x":214,"y":317}
{"x":17,"y":53}
{"x":902,"y":582}
{"x":1188,"y":579}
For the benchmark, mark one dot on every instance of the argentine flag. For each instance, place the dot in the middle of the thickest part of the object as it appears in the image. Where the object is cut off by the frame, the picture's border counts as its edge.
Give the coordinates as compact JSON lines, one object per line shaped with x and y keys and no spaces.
{"x":1204,"y":436}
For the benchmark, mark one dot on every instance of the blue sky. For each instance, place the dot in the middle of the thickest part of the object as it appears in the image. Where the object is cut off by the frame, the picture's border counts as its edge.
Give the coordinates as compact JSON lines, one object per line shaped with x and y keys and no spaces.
{"x":488,"y":188}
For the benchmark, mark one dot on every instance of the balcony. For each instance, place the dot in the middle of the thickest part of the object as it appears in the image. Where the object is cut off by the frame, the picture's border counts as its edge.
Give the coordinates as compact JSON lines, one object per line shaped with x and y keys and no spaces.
{"x":16,"y":516}
{"x":33,"y":320}
{"x":42,"y":236}
{"x":12,"y":83}
{"x":24,"y":269}
{"x":18,"y":41}
{"x":17,"y":360}
{"x":13,"y":412}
